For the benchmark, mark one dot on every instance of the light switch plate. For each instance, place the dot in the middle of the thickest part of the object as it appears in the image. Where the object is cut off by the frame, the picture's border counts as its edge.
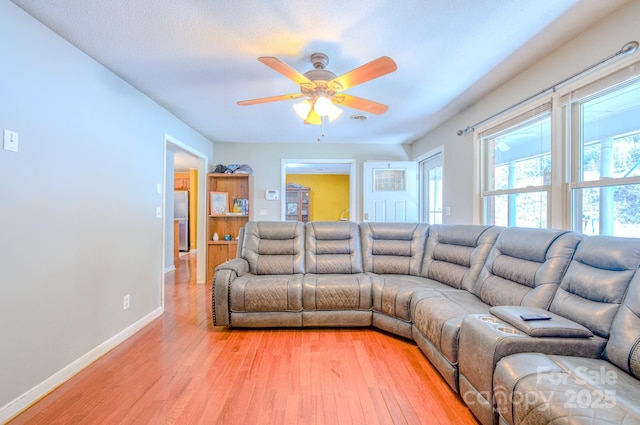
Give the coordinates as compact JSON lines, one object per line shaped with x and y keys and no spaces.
{"x":11,"y":140}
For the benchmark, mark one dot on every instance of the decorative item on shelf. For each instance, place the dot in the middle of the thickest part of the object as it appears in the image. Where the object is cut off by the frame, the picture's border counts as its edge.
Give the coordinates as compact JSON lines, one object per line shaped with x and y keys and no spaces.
{"x":240,"y":207}
{"x":219,"y":202}
{"x":237,"y":205}
{"x":215,"y":236}
{"x":233,"y":169}
{"x":227,"y":237}
{"x":245,"y":206}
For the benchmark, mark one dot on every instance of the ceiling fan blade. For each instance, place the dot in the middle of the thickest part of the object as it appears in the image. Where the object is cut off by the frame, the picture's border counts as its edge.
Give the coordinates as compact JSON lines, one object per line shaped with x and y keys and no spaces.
{"x":313,"y":118}
{"x":359,"y":103}
{"x":270,"y":99}
{"x":284,"y":69}
{"x":374,"y":69}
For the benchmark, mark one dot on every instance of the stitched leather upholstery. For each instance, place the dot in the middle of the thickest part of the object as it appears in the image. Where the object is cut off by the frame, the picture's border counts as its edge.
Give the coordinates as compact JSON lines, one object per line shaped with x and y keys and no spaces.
{"x":455,"y":254}
{"x":525,"y":266}
{"x":274,"y":247}
{"x":334,"y":280}
{"x":596,"y":281}
{"x":274,"y":252}
{"x":393,"y":248}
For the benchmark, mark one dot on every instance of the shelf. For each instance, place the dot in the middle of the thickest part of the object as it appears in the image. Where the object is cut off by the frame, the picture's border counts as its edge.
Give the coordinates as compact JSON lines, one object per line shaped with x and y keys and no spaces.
{"x":233,"y":186}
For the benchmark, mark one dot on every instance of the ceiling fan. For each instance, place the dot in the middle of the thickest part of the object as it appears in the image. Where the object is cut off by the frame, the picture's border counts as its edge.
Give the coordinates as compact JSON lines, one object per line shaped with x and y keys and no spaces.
{"x":323,"y":88}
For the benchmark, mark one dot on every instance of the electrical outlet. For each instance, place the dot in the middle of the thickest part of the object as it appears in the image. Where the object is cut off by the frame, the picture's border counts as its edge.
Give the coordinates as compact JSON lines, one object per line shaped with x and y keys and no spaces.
{"x":125,"y":302}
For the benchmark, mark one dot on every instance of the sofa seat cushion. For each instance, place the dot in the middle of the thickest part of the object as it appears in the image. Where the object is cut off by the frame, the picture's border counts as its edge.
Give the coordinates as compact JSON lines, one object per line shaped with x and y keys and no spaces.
{"x":533,"y":388}
{"x":438,"y":317}
{"x":392,"y":293}
{"x":336,"y":292}
{"x":262,"y":293}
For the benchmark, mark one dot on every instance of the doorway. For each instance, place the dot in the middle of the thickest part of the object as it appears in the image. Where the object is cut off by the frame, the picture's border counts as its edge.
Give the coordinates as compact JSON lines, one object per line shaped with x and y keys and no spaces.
{"x":200,"y":161}
{"x":310,"y":170}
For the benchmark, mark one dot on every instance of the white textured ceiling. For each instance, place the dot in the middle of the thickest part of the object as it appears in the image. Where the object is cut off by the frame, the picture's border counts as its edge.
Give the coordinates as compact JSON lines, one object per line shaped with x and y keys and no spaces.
{"x":198,"y":57}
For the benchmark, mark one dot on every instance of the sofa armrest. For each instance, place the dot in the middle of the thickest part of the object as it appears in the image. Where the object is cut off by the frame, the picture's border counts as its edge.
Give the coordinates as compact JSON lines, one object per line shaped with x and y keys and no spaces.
{"x":224,"y":275}
{"x":238,"y":265}
{"x":485,"y":339}
{"x":555,"y":327}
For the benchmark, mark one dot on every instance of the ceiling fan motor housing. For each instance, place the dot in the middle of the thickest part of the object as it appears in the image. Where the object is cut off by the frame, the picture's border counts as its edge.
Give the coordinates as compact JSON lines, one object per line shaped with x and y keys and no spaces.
{"x":320,"y":77}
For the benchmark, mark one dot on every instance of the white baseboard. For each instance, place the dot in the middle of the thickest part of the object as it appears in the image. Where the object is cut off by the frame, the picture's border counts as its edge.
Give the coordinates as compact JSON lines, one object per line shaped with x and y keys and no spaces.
{"x":21,"y":403}
{"x":170,"y":269}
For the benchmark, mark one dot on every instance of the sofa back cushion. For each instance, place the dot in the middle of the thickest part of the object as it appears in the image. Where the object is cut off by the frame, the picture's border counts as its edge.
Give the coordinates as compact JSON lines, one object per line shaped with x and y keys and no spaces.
{"x":274,"y":247}
{"x":332,"y":247}
{"x":455,"y":254}
{"x":393,"y":248}
{"x":525,"y":266}
{"x":623,"y":346}
{"x":594,"y":285}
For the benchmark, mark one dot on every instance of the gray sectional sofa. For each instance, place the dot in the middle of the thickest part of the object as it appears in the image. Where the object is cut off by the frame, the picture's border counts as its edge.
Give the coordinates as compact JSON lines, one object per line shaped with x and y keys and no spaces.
{"x":459,"y":292}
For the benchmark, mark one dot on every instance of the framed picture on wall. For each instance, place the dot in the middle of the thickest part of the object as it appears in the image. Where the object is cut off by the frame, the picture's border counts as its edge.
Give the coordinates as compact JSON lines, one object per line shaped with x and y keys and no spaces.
{"x":219,"y":202}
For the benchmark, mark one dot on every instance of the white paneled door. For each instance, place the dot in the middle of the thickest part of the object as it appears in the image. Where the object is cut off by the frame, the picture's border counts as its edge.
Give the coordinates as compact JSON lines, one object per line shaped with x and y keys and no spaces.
{"x":390,"y":191}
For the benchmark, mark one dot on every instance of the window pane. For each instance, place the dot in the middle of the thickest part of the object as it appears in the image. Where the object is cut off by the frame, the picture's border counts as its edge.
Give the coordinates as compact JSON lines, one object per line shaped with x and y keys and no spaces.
{"x":389,"y":180}
{"x":435,"y":195}
{"x":521,"y":209}
{"x":613,"y":210}
{"x":610,"y":135}
{"x":520,"y":156}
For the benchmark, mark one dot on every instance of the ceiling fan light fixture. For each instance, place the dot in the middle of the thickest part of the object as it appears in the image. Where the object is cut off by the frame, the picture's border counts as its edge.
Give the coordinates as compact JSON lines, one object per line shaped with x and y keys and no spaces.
{"x":302,"y":109}
{"x":334,"y":113}
{"x":323,"y":106}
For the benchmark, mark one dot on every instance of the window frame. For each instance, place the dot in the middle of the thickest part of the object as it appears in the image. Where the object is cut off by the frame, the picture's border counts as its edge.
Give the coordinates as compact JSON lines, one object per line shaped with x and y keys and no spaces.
{"x":571,"y":103}
{"x":520,"y":117}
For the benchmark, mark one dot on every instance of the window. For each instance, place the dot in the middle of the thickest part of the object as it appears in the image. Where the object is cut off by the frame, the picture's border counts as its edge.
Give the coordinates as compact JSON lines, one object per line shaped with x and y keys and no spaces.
{"x":431,"y":171}
{"x":516,"y":170}
{"x":604,"y":133}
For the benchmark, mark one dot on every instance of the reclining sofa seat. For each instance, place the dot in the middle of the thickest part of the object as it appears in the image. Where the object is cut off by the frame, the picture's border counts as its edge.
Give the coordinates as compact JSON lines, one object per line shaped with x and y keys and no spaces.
{"x":335,"y":291}
{"x":524,"y":267}
{"x":561,"y":379}
{"x":392,"y":256}
{"x":267,"y":278}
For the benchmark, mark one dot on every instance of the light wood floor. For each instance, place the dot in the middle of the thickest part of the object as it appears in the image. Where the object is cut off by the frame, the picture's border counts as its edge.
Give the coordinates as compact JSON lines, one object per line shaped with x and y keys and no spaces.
{"x":182,"y":370}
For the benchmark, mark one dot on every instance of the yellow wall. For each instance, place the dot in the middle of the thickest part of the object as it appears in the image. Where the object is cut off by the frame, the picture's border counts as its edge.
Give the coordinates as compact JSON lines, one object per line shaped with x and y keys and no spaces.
{"x":329,"y":194}
{"x":193,"y":209}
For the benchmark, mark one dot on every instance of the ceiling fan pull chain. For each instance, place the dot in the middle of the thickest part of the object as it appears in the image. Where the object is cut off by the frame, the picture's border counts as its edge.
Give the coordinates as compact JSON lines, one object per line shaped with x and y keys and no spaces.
{"x":322,"y":128}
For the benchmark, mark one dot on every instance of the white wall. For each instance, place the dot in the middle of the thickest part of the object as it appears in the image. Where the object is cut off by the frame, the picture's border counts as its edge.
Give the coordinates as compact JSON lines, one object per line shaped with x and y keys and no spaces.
{"x":78,"y":226}
{"x":265,"y":159}
{"x":590,"y":47}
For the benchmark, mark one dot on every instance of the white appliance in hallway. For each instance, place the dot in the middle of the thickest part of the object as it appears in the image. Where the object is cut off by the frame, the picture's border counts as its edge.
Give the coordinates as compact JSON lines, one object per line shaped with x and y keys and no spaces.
{"x":181,"y":215}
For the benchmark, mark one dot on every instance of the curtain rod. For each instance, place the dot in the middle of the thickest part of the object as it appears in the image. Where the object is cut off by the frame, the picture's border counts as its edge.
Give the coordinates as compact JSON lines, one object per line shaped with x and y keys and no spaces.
{"x":629,"y":47}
